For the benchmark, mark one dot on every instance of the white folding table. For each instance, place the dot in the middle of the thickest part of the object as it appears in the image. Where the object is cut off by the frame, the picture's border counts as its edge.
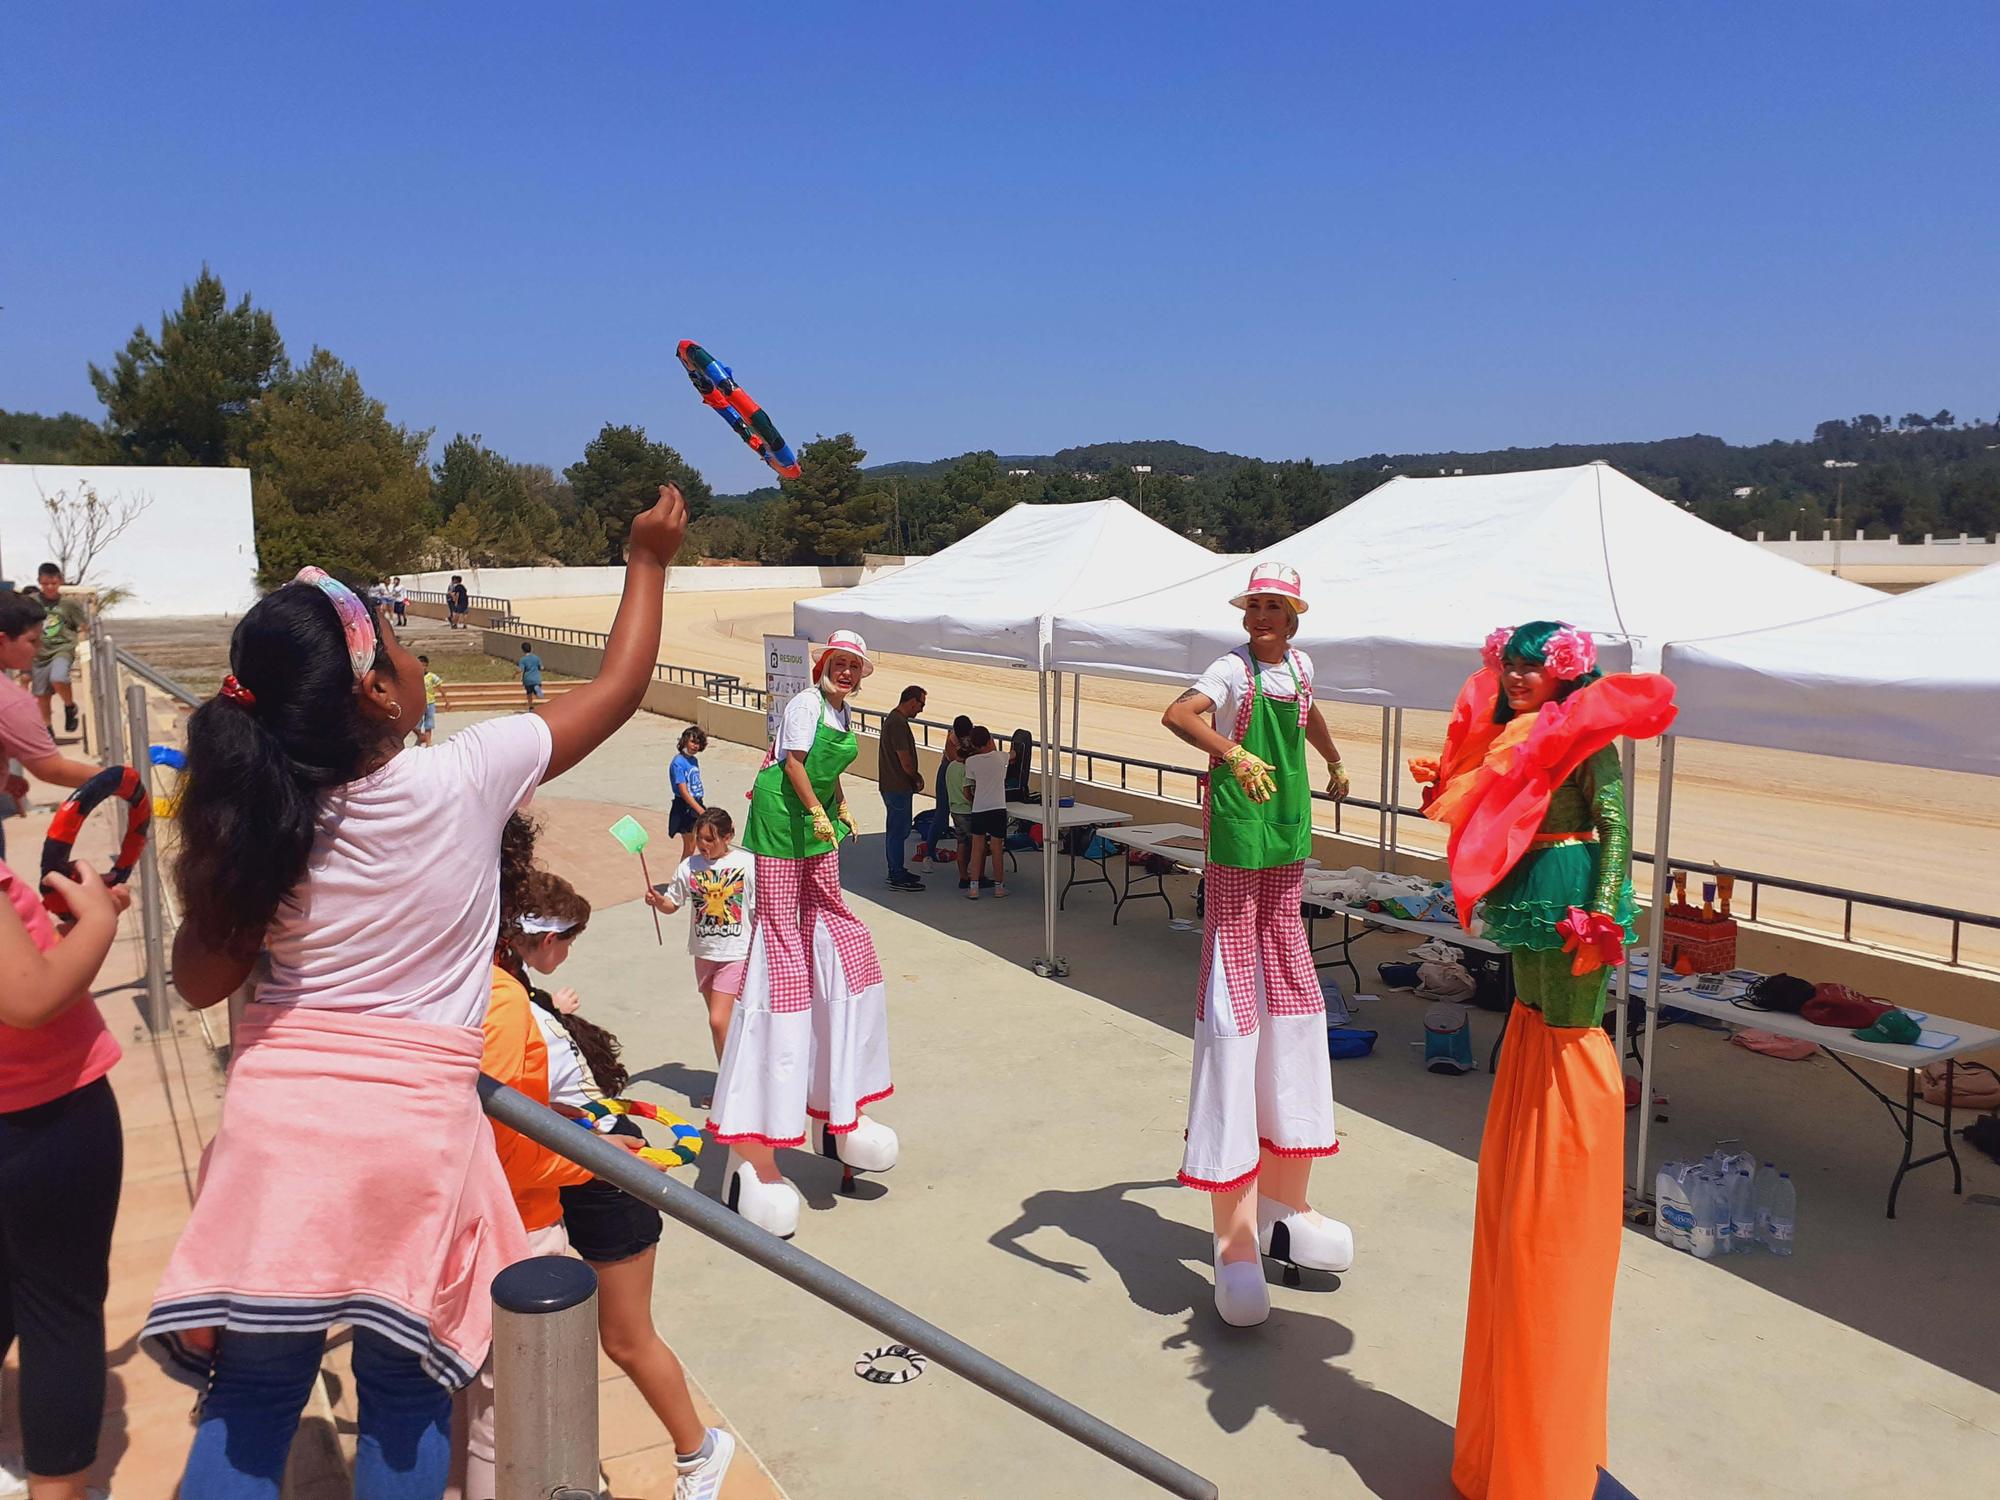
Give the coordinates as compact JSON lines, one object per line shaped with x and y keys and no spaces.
{"x":1182,"y":843}
{"x":1964,"y":1038}
{"x":1082,"y":818}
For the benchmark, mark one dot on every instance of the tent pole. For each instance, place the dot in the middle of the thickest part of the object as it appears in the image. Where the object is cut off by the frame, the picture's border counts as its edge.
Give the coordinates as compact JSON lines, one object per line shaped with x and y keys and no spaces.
{"x":1048,"y":967}
{"x":1395,"y":787}
{"x":1656,"y":960}
{"x":1075,"y":721}
{"x":1382,"y":817}
{"x":1623,"y":987}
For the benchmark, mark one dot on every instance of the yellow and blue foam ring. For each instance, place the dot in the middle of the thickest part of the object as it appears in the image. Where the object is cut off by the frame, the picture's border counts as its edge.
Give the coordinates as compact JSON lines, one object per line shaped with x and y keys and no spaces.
{"x":685,"y":1140}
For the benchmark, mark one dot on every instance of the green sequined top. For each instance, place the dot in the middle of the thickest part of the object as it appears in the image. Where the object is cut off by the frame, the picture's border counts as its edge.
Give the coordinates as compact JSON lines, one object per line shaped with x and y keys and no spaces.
{"x":1593,"y":797}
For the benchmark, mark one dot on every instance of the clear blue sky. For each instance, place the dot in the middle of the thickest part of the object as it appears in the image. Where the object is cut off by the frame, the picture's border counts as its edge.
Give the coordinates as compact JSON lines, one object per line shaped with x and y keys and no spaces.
{"x":1305,"y":229}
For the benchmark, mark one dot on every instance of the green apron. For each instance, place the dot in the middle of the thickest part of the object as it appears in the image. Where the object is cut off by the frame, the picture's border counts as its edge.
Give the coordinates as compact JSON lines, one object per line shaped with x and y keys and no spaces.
{"x":780,"y":827}
{"x":1264,"y":835}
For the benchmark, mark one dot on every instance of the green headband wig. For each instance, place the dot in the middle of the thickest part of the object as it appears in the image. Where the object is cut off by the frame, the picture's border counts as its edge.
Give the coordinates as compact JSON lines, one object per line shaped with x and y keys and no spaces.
{"x":1563,"y":649}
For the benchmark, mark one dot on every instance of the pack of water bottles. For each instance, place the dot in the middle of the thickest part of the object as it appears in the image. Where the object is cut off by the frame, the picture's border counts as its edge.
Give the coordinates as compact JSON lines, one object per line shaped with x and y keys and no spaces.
{"x":1725,"y":1204}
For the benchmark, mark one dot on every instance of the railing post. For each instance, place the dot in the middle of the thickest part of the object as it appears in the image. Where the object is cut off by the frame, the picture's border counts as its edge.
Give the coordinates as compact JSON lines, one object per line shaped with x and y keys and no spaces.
{"x":152,"y":924}
{"x":545,"y":1380}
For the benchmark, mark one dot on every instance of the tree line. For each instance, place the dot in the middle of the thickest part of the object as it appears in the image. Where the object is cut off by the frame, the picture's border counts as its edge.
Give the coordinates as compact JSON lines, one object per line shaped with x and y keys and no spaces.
{"x":334,"y":480}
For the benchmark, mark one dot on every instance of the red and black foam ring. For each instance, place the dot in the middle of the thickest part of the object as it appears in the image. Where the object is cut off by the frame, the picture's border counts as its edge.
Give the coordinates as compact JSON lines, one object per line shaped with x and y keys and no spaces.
{"x":718,"y":389}
{"x":121,"y":782}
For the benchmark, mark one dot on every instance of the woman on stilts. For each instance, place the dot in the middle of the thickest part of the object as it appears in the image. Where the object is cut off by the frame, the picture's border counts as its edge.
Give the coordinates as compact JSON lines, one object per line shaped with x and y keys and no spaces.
{"x":810,"y":1036}
{"x":1260,"y":1107}
{"x":1533,"y":790}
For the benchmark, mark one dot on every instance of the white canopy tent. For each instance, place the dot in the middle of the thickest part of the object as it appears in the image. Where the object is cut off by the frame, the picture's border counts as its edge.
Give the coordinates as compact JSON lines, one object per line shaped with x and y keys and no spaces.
{"x":990,"y":599}
{"x":1409,"y":579}
{"x":1910,"y":680}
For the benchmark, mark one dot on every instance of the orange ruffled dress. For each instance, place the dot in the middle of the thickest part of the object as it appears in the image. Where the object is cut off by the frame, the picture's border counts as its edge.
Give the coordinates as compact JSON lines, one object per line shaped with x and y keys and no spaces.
{"x":1531,"y":1414}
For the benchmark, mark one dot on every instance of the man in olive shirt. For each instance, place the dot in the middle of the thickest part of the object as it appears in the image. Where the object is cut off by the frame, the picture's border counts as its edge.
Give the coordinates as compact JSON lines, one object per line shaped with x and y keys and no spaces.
{"x":900,"y":778}
{"x":56,"y":660}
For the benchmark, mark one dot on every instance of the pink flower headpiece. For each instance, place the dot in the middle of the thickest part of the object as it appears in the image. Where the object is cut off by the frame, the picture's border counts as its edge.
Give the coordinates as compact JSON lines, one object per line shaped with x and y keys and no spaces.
{"x":1570,"y":653}
{"x":356,"y":624}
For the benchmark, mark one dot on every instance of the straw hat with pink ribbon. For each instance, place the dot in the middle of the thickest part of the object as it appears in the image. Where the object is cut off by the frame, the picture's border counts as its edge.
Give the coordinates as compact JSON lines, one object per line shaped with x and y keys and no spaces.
{"x":1277,"y":580}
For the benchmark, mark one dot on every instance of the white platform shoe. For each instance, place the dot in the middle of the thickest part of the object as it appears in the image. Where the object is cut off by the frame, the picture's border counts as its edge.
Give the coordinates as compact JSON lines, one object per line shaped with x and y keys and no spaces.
{"x":772,"y":1206}
{"x":1241,"y":1296}
{"x":1299,"y":1237}
{"x":870,"y":1146}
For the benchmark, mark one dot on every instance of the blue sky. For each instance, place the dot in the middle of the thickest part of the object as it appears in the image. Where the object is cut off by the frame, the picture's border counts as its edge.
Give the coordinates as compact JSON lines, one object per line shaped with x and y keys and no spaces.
{"x":1285,"y":230}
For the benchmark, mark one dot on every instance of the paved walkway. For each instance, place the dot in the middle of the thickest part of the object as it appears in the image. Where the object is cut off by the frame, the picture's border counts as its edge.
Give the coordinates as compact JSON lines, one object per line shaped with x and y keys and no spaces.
{"x":1034,"y":1213}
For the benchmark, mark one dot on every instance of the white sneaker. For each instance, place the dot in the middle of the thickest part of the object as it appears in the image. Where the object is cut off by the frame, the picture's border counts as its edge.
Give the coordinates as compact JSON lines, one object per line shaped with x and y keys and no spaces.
{"x":704,"y":1480}
{"x":772,"y":1206}
{"x":1302,"y":1237}
{"x":972,"y":893}
{"x":1241,"y":1295}
{"x":870,"y":1146}
{"x":13,"y":1478}
{"x":999,"y":890}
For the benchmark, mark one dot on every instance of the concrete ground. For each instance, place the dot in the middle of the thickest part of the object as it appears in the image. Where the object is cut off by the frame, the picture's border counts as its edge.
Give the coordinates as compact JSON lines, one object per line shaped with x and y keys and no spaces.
{"x":1034,"y":1213}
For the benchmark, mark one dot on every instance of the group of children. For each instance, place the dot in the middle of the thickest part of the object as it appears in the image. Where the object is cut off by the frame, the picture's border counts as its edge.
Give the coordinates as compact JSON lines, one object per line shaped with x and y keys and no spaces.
{"x":976,"y":778}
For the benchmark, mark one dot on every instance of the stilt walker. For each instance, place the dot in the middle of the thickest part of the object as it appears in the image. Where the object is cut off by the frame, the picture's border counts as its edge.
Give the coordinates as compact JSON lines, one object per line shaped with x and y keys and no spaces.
{"x":1260,"y":1106}
{"x":1533,"y":790}
{"x":810,"y":1036}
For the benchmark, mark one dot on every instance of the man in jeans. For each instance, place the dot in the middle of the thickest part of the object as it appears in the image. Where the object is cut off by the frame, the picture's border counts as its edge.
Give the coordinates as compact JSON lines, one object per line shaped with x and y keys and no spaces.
{"x":900,"y":778}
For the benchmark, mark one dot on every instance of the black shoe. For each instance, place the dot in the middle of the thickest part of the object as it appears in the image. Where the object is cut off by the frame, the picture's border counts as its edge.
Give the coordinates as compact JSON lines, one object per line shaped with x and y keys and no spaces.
{"x":965,"y":885}
{"x":69,"y":718}
{"x":906,"y":883}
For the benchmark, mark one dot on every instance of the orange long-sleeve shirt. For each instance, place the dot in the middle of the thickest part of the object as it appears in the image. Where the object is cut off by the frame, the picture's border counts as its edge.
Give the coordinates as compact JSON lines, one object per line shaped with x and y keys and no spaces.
{"x":516,"y":1055}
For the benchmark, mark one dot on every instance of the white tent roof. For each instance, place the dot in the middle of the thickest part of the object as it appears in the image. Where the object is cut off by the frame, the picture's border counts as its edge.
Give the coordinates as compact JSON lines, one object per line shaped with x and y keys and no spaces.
{"x":1405,"y":584}
{"x":984,"y":599}
{"x":1913,"y":679}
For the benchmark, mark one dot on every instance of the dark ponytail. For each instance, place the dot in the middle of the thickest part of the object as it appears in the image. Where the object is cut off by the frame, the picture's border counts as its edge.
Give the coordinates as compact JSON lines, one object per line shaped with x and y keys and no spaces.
{"x":256,"y":769}
{"x":528,"y":891}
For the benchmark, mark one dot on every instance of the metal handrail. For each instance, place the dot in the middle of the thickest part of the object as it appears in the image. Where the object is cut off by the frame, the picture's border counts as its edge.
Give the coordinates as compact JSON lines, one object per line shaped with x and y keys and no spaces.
{"x":497,"y":605}
{"x":159,"y":679}
{"x":704,"y":1215}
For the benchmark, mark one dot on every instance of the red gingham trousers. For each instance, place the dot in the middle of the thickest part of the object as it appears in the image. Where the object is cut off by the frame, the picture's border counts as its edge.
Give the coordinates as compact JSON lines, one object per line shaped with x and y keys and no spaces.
{"x":793,"y":894}
{"x":1254,"y":916}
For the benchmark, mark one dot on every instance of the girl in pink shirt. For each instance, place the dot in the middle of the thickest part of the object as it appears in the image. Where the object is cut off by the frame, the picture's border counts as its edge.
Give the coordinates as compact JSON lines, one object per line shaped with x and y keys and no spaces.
{"x":308,"y":833}
{"x":61,"y":1157}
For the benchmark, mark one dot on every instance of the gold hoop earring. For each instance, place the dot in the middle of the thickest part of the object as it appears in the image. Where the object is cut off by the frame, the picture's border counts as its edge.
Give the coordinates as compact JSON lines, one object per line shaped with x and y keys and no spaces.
{"x":395,"y":710}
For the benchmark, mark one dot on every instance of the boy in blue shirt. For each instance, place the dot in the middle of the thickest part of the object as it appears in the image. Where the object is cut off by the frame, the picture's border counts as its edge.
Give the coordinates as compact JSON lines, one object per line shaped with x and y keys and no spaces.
{"x":531,"y":674}
{"x":689,"y":797}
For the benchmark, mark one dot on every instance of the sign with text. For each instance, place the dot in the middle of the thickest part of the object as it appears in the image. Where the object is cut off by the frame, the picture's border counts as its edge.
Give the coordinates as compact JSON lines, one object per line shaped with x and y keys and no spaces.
{"x":787,"y":673}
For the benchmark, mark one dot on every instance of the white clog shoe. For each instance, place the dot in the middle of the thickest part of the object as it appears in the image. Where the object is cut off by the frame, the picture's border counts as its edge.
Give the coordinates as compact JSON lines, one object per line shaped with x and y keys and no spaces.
{"x":870,"y":1146}
{"x":772,"y":1206}
{"x":1241,"y":1296}
{"x":1301,"y":1237}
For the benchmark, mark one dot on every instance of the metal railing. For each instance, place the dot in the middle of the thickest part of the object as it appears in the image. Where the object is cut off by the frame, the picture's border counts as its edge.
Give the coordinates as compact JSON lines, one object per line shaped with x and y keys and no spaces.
{"x":705,"y":1216}
{"x":502,"y":607}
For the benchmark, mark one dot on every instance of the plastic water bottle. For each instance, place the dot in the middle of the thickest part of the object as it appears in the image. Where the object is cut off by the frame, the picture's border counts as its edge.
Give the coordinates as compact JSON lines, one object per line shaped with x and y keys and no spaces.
{"x":1778,"y":1220}
{"x":1673,"y":1213}
{"x":1742,"y":1209}
{"x":1705,"y":1195}
{"x":1724,"y":1187}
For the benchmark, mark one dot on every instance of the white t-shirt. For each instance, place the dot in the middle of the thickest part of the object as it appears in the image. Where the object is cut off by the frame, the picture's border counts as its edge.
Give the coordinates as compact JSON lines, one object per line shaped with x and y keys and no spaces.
{"x":1226,"y":684}
{"x":988,"y":773}
{"x":803,"y":716}
{"x":400,"y":903}
{"x":567,"y":1077}
{"x":719,"y":896}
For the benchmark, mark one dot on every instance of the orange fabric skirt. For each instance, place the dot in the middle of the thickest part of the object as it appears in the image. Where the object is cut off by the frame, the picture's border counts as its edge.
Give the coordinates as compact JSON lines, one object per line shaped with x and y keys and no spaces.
{"x":1531,"y":1400}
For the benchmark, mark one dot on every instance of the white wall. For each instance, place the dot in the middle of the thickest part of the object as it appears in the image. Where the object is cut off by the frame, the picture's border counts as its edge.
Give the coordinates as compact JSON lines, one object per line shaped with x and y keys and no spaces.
{"x":192,"y":552}
{"x":583,"y":583}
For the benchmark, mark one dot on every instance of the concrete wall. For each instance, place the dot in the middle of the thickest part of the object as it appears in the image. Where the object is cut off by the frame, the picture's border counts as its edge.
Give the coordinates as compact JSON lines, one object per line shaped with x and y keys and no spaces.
{"x":1888,"y":563}
{"x":192,"y":551}
{"x":584,"y":583}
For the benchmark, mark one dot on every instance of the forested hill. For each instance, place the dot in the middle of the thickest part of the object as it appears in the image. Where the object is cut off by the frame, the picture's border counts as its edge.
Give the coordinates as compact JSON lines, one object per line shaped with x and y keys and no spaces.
{"x":1908,"y":476}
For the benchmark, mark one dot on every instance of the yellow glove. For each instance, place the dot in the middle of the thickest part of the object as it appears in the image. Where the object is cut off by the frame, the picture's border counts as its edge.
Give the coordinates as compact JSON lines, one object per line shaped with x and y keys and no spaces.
{"x":823,"y":828}
{"x":1252,"y":774}
{"x":1336,"y":782}
{"x":847,"y":820}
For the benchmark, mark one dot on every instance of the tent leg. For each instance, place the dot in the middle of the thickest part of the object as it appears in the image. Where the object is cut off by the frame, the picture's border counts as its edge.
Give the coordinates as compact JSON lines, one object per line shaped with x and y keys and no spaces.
{"x":1656,"y":963}
{"x":1382,"y":817}
{"x":1623,"y":987}
{"x":1049,"y":690}
{"x":1075,"y":720}
{"x":1395,"y":781}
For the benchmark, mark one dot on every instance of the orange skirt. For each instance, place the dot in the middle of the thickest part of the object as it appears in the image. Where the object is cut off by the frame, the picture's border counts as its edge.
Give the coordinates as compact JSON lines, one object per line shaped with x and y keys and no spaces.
{"x":1531,"y":1400}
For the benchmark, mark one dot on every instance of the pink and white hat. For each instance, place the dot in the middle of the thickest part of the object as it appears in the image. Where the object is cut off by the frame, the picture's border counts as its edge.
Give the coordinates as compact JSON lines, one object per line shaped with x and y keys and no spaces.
{"x":1276,"y":579}
{"x":848,"y":642}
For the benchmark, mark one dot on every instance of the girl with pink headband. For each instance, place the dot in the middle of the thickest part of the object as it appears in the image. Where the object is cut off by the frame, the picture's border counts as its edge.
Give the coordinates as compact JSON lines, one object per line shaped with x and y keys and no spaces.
{"x":305,"y":830}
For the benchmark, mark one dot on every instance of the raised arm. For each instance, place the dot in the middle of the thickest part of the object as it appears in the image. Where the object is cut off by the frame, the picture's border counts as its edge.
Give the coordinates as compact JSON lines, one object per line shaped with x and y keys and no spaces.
{"x":585,"y":717}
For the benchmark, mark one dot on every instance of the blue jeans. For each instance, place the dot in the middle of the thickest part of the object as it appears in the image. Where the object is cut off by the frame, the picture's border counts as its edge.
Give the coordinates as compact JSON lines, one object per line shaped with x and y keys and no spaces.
{"x":897,"y":806}
{"x":252,"y":1411}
